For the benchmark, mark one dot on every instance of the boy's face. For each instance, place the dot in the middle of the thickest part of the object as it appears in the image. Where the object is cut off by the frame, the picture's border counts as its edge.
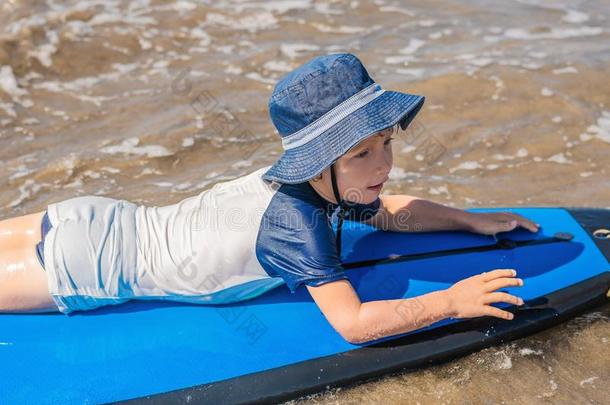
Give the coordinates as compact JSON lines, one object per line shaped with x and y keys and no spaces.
{"x":360,"y":169}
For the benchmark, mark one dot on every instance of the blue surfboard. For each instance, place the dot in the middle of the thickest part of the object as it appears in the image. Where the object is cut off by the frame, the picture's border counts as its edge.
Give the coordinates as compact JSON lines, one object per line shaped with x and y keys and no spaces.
{"x":279,"y":346}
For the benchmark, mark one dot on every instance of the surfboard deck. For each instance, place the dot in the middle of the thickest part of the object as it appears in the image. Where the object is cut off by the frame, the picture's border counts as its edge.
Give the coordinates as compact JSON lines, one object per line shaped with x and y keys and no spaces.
{"x":279,"y":346}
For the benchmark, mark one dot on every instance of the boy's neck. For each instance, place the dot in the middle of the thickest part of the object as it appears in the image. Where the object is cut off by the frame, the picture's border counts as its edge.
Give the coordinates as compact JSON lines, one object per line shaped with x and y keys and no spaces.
{"x":326,"y":195}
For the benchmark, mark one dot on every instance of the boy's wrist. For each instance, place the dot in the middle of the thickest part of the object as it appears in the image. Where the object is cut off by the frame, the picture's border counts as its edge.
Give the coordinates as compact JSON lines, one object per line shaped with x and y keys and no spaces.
{"x":446,"y":304}
{"x":464,"y":220}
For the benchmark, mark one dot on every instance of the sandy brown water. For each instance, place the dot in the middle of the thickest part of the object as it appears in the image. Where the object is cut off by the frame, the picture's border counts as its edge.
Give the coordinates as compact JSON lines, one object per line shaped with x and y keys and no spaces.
{"x":154,"y":101}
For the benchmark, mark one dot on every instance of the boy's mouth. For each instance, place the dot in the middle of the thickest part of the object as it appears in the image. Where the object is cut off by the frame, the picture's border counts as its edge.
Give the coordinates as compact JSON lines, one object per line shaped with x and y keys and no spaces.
{"x":376,"y":187}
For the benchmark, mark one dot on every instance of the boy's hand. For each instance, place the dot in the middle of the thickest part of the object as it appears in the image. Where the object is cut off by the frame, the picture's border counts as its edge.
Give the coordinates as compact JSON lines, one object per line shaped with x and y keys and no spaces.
{"x":472,"y":296}
{"x":490,"y":223}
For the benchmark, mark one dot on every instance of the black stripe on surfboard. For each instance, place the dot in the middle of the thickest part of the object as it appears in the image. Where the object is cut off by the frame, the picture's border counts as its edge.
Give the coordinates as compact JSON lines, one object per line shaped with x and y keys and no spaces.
{"x":501,"y":244}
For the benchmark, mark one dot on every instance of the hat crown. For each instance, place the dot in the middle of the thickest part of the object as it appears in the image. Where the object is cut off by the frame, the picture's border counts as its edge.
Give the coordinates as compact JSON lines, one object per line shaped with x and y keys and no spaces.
{"x":310,"y":91}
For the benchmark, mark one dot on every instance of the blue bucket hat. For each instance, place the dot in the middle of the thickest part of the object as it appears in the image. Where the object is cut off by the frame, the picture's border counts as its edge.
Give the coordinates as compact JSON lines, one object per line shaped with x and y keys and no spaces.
{"x":325,"y":107}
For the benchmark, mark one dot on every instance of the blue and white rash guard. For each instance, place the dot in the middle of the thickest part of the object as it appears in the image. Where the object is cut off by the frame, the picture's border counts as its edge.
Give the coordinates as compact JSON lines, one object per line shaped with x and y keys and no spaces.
{"x":239,"y":239}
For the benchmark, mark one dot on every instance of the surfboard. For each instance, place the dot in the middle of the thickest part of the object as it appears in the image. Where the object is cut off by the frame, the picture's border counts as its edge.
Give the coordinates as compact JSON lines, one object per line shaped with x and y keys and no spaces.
{"x":279,"y":346}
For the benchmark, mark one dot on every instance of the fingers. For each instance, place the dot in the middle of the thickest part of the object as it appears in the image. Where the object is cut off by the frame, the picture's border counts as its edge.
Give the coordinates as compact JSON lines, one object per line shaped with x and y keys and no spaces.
{"x":498,"y":313}
{"x":523,"y":222}
{"x":492,"y":275}
{"x":503,"y":282}
{"x":502,"y":297}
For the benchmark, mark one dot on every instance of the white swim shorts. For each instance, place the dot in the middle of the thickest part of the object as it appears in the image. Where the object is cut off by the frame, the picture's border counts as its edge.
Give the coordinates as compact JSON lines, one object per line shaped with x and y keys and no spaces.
{"x":90,"y":252}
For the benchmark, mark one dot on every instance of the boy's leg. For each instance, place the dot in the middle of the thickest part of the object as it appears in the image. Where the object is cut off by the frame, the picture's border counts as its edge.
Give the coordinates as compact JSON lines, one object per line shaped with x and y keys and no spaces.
{"x":21,"y":231}
{"x":23,"y":281}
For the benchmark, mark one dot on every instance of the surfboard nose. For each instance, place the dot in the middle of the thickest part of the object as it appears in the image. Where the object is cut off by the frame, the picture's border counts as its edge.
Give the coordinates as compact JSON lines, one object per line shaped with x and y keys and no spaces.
{"x":596,"y":222}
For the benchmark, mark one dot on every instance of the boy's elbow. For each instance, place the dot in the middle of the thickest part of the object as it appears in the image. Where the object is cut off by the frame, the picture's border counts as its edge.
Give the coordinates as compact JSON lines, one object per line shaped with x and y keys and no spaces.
{"x":354,"y":336}
{"x":353,"y":339}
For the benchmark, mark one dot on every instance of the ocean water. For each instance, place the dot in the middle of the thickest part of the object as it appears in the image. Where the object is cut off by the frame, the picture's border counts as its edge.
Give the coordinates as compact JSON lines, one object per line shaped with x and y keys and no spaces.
{"x":153,"y":101}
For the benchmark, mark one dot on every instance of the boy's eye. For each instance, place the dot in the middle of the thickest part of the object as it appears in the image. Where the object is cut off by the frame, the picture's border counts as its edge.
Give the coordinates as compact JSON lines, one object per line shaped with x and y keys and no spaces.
{"x":365,"y":152}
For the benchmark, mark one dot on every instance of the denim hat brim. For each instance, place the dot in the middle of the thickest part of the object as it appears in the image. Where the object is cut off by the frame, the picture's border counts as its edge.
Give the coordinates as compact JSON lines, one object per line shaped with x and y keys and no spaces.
{"x":305,"y":162}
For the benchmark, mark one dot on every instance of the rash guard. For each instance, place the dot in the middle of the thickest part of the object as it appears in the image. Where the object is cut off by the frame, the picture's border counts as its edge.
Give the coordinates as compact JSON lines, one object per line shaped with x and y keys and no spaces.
{"x":239,"y":239}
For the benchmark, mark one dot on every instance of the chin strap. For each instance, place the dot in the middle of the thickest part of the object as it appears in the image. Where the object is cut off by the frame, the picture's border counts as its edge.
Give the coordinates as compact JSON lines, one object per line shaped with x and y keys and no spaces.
{"x":341,"y":213}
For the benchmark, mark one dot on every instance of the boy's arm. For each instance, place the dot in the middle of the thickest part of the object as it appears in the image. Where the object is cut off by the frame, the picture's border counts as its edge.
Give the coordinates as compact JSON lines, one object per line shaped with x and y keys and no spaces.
{"x":359,"y":322}
{"x":405,"y":213}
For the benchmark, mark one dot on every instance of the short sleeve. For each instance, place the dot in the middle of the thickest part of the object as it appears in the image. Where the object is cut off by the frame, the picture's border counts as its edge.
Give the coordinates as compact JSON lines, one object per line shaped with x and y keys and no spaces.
{"x":362,"y":212}
{"x":296,"y":242}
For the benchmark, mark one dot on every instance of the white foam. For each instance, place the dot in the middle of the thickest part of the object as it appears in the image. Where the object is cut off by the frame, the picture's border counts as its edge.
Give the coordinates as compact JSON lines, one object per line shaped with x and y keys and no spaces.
{"x":257,"y":76}
{"x":144,"y":44}
{"x":520,"y":63}
{"x":123,"y":68}
{"x":233,"y":70}
{"x":393,"y":60}
{"x":297,"y":49}
{"x":204,"y":37}
{"x":554,"y":33}
{"x":567,"y":69}
{"x":397,"y":173}
{"x":528,"y":352}
{"x":440,"y":34}
{"x":522,"y":152}
{"x":559,"y":158}
{"x":278,"y":66}
{"x":162,"y":183}
{"x":188,"y":141}
{"x":22,"y":170}
{"x":119,"y":17}
{"x":504,"y":362}
{"x":111,"y":169}
{"x":538,"y":55}
{"x":129,"y":146}
{"x":412,"y":47}
{"x":480,"y":62}
{"x":408,"y":149}
{"x":418,"y":73}
{"x":499,"y":87}
{"x":575,"y":17}
{"x":601,"y":129}
{"x":28,"y":189}
{"x":426,"y":23}
{"x":438,"y":190}
{"x":393,"y":9}
{"x":342,"y":29}
{"x":500,"y":156}
{"x":182,"y":5}
{"x":240,"y":164}
{"x":546,"y":92}
{"x":324,"y":8}
{"x":468,"y":165}
{"x":254,"y":22}
{"x":588,"y":381}
{"x":8,"y":83}
{"x":279,"y":7}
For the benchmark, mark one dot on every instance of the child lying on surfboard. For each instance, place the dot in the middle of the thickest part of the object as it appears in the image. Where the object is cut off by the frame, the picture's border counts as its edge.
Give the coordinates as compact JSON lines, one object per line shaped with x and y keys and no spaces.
{"x":271,"y":227}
